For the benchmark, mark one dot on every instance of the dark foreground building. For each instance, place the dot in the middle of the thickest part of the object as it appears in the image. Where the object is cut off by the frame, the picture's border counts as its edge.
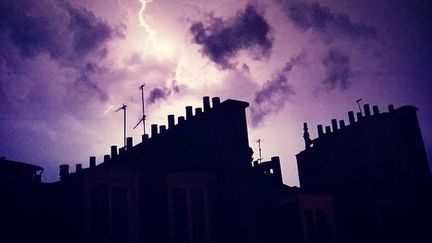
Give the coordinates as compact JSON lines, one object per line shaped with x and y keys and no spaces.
{"x":194,"y":181}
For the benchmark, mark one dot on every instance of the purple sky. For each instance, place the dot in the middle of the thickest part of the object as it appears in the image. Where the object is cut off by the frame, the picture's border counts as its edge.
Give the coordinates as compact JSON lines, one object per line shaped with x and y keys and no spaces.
{"x":65,"y":66}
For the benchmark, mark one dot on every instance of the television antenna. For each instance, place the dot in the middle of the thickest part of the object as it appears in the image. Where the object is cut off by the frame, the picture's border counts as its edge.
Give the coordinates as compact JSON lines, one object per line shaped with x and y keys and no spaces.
{"x":143,"y":113}
{"x":123,"y":107}
{"x":358,"y":104}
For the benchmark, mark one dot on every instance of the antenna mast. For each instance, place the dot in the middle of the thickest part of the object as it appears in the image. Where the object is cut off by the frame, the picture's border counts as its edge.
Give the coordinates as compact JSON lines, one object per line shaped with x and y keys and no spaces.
{"x":123,"y":107}
{"x":143,"y":112}
{"x":358,"y":104}
{"x":259,"y":149}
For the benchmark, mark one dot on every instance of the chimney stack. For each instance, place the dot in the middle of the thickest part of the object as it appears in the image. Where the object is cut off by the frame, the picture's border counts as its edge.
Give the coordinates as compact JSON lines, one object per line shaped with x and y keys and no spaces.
{"x":189,"y":113}
{"x":113,"y":151}
{"x":320,"y":130}
{"x":215,"y":101}
{"x":64,"y":171}
{"x":375,"y":110}
{"x":351,"y":117}
{"x":154,"y":130}
{"x":129,"y":143}
{"x":171,"y":122}
{"x":276,"y":168}
{"x":92,"y":161}
{"x":334,"y":125}
{"x":206,"y":103}
{"x":366,"y":109}
{"x":106,"y":157}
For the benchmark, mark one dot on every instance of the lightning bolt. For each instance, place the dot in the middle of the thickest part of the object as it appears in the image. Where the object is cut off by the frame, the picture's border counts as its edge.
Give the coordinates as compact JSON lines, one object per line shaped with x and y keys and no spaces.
{"x":108,"y":110}
{"x":150,"y":32}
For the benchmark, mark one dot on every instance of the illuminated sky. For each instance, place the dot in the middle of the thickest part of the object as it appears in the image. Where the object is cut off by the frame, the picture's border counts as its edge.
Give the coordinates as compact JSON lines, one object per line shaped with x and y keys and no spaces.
{"x":65,"y":66}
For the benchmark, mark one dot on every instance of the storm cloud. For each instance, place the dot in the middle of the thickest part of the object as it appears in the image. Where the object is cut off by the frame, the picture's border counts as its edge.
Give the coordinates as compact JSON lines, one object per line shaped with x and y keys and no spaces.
{"x":163,"y":93}
{"x":320,"y":19}
{"x":271,"y":98}
{"x":221,"y":40}
{"x":338,"y":69}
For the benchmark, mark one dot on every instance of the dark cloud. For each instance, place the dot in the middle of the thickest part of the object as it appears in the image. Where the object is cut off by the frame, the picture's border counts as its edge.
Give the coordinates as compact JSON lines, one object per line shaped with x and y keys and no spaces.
{"x":57,"y":28}
{"x":221,"y":40}
{"x":338,"y":69}
{"x":164,"y":92}
{"x":313,"y":16}
{"x":274,"y":93}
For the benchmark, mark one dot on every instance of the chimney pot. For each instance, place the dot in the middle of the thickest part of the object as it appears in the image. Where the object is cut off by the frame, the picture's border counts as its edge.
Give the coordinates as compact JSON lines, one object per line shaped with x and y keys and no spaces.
{"x":375,"y":110}
{"x":366,"y":109}
{"x":359,"y":116}
{"x":198,"y":111}
{"x":181,"y":119}
{"x":320,"y":130}
{"x":106,"y":157}
{"x":129,"y":142}
{"x":113,"y":151}
{"x":171,"y":121}
{"x":206,"y":103}
{"x":390,"y":108}
{"x":215,"y":101}
{"x":334,"y":125}
{"x":122,"y":150}
{"x":341,"y":124}
{"x":64,"y":171}
{"x":189,"y":113}
{"x":327,"y":129}
{"x":154,"y":130}
{"x":162,"y":129}
{"x":351,"y":117}
{"x":78,"y":167}
{"x":144,"y":137}
{"x":92,"y":161}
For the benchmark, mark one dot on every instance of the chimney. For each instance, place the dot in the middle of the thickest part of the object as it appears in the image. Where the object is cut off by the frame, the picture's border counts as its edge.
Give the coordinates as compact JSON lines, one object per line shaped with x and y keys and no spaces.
{"x":171,"y":122}
{"x":366,"y":109}
{"x":306,"y":136}
{"x":64,"y":171}
{"x":375,"y":110}
{"x":359,"y":116}
{"x":181,"y":119}
{"x":320,"y":130}
{"x":198,"y":111}
{"x":215,"y":101}
{"x":206,"y":103}
{"x":113,"y":151}
{"x":341,"y":124}
{"x":276,"y":168}
{"x":390,"y":108}
{"x":334,"y":125}
{"x":144,"y":137}
{"x":351,"y":117}
{"x":189,"y":112}
{"x":106,"y":158}
{"x":92,"y":161}
{"x":162,"y":129}
{"x":122,"y":150}
{"x":129,"y":142}
{"x":154,"y":130}
{"x":327,"y":129}
{"x":78,"y":168}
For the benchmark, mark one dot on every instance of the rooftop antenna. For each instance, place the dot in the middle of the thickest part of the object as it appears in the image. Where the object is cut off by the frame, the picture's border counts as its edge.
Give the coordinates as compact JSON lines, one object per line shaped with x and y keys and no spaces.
{"x":358,"y":104}
{"x":123,"y":107}
{"x":259,"y":149}
{"x":143,"y":113}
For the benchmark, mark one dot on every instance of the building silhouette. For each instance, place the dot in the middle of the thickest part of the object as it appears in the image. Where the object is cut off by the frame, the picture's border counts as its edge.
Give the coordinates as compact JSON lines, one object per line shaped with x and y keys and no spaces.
{"x":194,"y":180}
